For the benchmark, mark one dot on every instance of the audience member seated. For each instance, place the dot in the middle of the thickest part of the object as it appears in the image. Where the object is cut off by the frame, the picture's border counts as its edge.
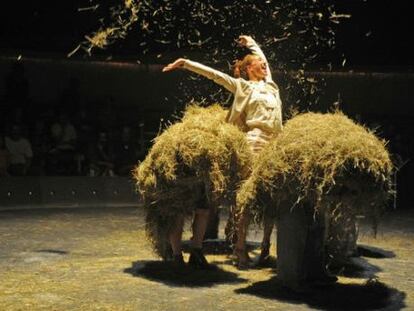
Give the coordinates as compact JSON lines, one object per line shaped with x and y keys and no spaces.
{"x":101,"y":157}
{"x":20,"y":151}
{"x":40,"y":146}
{"x":85,"y":129}
{"x":126,"y":153}
{"x":61,"y":156}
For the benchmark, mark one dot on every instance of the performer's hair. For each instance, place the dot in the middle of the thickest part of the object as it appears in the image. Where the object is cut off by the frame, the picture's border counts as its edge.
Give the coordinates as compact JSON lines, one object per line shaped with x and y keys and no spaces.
{"x":240,"y":66}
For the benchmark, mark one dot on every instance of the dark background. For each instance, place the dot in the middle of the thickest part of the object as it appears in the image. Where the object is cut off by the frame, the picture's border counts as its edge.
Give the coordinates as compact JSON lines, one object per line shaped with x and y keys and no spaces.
{"x":374,"y":85}
{"x":377,"y":35}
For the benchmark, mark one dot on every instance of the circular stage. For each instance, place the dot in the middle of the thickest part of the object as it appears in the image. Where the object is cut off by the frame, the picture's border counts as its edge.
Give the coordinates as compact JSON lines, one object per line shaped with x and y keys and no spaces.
{"x":98,"y":258}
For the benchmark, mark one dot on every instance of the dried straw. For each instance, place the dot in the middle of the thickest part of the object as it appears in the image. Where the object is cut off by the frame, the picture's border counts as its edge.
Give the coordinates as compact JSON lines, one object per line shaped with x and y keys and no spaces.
{"x":199,"y":156}
{"x":324,"y":159}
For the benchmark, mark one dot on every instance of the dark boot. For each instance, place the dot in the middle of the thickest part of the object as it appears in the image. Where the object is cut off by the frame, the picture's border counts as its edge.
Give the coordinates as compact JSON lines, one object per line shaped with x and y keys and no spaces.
{"x":178,"y":261}
{"x":197,"y":259}
{"x":264,"y":255}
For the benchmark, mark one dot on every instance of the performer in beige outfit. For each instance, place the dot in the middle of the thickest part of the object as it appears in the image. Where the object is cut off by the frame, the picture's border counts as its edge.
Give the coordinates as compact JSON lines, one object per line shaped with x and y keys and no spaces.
{"x":256,"y":109}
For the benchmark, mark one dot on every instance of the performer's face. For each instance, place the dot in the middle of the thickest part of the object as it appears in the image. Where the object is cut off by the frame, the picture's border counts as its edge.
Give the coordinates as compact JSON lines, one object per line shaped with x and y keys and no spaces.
{"x":257,"y":70}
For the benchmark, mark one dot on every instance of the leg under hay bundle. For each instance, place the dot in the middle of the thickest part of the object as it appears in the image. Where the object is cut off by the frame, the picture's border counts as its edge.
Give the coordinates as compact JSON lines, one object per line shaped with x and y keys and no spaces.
{"x":199,"y":226}
{"x":230,"y":230}
{"x":268,"y":225}
{"x":300,"y":246}
{"x":213,"y":224}
{"x":200,"y":223}
{"x":175,"y":236}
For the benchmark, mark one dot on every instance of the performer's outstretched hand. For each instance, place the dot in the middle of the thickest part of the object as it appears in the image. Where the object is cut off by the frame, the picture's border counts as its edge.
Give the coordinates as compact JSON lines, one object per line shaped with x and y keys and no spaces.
{"x":246,"y":40}
{"x":176,"y":64}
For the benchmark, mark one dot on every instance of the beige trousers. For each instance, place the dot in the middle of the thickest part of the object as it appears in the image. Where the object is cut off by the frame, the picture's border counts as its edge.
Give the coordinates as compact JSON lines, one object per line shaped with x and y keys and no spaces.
{"x":257,"y":139}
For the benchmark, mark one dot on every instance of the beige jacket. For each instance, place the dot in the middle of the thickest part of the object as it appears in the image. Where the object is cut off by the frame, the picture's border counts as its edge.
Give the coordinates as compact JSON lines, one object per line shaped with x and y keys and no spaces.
{"x":255,"y":104}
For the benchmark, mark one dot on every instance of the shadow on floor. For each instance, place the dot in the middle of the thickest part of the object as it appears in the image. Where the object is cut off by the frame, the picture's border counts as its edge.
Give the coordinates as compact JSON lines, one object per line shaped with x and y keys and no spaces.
{"x":270,"y":263}
{"x":356,"y":268}
{"x":359,"y":267}
{"x":374,"y":252}
{"x":370,"y":296}
{"x":222,"y":247}
{"x":52,"y":251}
{"x":166,"y":273}
{"x":219,"y":246}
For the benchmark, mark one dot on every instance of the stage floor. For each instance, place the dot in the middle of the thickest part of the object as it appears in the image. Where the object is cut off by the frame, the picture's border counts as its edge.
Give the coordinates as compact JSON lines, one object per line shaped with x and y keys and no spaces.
{"x":99,"y":259}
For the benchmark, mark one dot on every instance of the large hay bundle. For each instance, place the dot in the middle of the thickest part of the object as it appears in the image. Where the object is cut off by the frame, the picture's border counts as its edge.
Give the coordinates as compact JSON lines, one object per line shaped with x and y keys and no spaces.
{"x":200,"y":156}
{"x":323,"y":159}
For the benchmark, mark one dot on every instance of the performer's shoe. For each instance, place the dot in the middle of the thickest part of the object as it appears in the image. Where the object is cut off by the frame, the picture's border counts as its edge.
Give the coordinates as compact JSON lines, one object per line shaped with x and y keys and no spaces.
{"x":197,"y":259}
{"x":178,"y":261}
{"x":243,"y":260}
{"x":264,"y":255}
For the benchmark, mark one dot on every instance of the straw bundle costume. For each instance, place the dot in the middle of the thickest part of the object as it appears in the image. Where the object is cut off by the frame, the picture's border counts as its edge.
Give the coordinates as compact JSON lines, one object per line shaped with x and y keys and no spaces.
{"x":199,"y":160}
{"x":323,"y":158}
{"x":315,"y":177}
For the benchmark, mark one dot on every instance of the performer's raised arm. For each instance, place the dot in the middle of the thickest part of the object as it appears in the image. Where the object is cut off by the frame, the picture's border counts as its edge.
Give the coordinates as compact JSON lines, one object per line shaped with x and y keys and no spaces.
{"x":218,"y":77}
{"x":249,"y":43}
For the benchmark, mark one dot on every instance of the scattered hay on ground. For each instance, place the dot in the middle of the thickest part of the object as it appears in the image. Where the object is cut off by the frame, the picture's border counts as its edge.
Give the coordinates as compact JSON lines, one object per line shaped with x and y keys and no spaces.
{"x":200,"y":156}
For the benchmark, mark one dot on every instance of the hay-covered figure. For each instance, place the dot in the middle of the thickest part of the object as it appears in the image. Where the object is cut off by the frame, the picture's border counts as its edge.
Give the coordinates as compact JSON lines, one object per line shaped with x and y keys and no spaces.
{"x":257,"y":111}
{"x":319,"y":174}
{"x":197,"y":162}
